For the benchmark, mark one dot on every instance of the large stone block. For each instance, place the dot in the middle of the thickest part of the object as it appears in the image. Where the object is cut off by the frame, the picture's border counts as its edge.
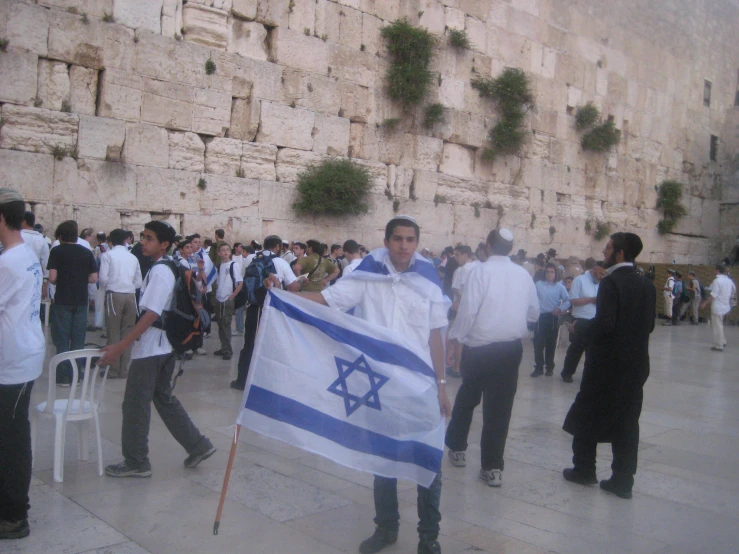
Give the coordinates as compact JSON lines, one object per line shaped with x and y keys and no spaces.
{"x":119,"y":47}
{"x":53,"y":84}
{"x":101,"y":138}
{"x":223,"y":156}
{"x":186,"y":152}
{"x":28,"y":28}
{"x":19,"y":72}
{"x":353,"y":65}
{"x":258,"y":161}
{"x":302,"y":16}
{"x":83,"y":90}
{"x":73,"y":41}
{"x":37,"y":129}
{"x":245,"y":8}
{"x":167,"y":104}
{"x":284,"y":126}
{"x":211,"y":114}
{"x":421,"y":152}
{"x":30,"y":174}
{"x":206,"y":26}
{"x":363,"y":141}
{"x":311,"y":91}
{"x":94,"y":182}
{"x":331,"y":135}
{"x":295,"y":49}
{"x":244,"y":119}
{"x":139,"y":14}
{"x":146,"y":145}
{"x":248,"y":39}
{"x":457,"y":160}
{"x":462,"y":128}
{"x":273,"y":13}
{"x":96,"y":217}
{"x":172,"y":18}
{"x":231,"y":194}
{"x":371,"y":38}
{"x":356,"y":102}
{"x":477,"y":34}
{"x":431,"y":16}
{"x":120,"y":95}
{"x":168,"y":190}
{"x":275,"y":202}
{"x":98,"y":8}
{"x":290,"y":163}
{"x":264,"y":79}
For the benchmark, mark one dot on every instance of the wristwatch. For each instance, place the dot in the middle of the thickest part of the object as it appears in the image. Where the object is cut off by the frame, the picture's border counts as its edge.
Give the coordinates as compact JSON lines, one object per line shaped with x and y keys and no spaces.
{"x":441,"y":381}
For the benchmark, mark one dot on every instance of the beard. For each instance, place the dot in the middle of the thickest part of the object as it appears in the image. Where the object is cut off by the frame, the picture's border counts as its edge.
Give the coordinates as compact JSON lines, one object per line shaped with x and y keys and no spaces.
{"x":610,"y":261}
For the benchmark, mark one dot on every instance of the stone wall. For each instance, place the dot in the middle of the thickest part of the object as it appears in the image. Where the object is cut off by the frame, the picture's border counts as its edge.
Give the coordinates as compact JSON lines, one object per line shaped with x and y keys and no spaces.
{"x":109,"y":116}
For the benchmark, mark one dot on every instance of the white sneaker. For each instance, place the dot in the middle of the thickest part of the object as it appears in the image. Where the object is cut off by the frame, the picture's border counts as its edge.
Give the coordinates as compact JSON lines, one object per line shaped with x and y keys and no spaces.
{"x":201,"y":351}
{"x":493,"y":477}
{"x":457,"y":458}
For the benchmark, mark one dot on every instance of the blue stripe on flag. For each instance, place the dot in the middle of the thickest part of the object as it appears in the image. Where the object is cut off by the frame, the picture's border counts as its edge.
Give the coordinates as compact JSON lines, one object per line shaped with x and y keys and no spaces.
{"x":379,"y":350}
{"x":286,"y":410}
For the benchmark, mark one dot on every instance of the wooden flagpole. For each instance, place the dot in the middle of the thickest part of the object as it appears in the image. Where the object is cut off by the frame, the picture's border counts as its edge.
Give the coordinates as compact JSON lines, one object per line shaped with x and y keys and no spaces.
{"x":226,"y":478}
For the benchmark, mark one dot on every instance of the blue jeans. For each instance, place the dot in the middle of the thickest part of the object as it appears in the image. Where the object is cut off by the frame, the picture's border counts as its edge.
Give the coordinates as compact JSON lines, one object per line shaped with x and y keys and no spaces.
{"x":68,"y":330}
{"x":386,"y":507}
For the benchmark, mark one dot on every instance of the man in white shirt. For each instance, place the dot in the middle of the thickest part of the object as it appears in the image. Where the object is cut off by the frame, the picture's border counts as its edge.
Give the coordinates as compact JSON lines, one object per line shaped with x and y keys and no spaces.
{"x":35,"y":240}
{"x":287,"y":279}
{"x":498,"y":303}
{"x":230,"y":282}
{"x":403,"y":294}
{"x":152,"y":366}
{"x":120,"y":276}
{"x":667,"y":293}
{"x":22,"y":349}
{"x":722,"y":290}
{"x":462,"y":255}
{"x":287,"y":253}
{"x":351,"y":253}
{"x":583,"y":294}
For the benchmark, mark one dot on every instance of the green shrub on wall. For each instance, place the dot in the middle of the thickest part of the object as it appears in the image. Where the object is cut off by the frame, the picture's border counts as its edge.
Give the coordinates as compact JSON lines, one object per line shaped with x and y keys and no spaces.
{"x":586,"y":116}
{"x":599,"y":137}
{"x":333,"y":187}
{"x":669,"y":198}
{"x":411,"y":49}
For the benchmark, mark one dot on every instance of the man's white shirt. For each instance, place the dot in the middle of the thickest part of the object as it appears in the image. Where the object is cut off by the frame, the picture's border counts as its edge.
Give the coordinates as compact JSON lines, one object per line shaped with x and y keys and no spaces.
{"x":156,"y":296}
{"x":37,"y":242}
{"x":721,"y":291}
{"x":584,"y":286}
{"x":351,"y":267}
{"x":225,"y":283}
{"x":460,"y":276}
{"x":120,"y":271}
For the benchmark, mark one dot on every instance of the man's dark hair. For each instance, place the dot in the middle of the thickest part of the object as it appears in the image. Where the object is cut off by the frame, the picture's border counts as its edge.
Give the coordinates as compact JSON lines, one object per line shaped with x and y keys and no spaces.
{"x":67,"y":231}
{"x":628,"y":243}
{"x":316,"y":246}
{"x":193,"y":236}
{"x":29,"y":218}
{"x":249,"y":249}
{"x":86,"y":232}
{"x":401,"y":222}
{"x":335,"y":247}
{"x":117,"y":237}
{"x":302,"y":245}
{"x":362,"y":248}
{"x":463,"y":249}
{"x":207,"y":243}
{"x":721,"y":268}
{"x":182,"y":244}
{"x":220,"y":233}
{"x":590,"y":263}
{"x":351,"y":246}
{"x":679,"y":274}
{"x":271,"y":241}
{"x":498,"y":245}
{"x":163,"y":231}
{"x":237,"y":244}
{"x":129,"y":235}
{"x":569,"y":278}
{"x":101,"y":237}
{"x":13,"y":213}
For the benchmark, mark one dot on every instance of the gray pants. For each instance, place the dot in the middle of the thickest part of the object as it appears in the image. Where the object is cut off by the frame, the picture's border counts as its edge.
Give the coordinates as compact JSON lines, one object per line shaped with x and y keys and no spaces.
{"x":149,"y":379}
{"x":120,"y":318}
{"x":224,"y":314}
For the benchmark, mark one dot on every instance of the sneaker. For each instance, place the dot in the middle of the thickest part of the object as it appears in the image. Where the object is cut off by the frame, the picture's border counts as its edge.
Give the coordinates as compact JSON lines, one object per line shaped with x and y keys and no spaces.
{"x":566,"y":378}
{"x":227,"y":356}
{"x":194,"y":459}
{"x":201,"y":351}
{"x":380,"y":539}
{"x":537,"y":373}
{"x":65,"y":382}
{"x":236,"y":385}
{"x":429,"y":547}
{"x":125,"y":470}
{"x":493,"y":477}
{"x":613,"y":488}
{"x":574,"y":476}
{"x":457,"y":458}
{"x":237,"y":333}
{"x":14,"y":529}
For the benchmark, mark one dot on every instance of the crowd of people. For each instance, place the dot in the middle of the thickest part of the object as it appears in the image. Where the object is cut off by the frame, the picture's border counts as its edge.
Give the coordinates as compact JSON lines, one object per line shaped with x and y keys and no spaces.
{"x":487,"y":303}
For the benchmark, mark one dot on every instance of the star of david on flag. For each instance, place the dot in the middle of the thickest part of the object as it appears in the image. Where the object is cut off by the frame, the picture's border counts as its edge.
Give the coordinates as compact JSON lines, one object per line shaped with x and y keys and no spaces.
{"x":379,"y":415}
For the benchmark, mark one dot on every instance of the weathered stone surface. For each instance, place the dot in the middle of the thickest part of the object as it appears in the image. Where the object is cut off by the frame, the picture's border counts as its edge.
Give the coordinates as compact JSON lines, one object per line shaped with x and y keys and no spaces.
{"x":83,"y":90}
{"x":172,"y":18}
{"x":457,"y":160}
{"x":53,"y":84}
{"x":167,"y":190}
{"x":248,"y":39}
{"x":96,"y":217}
{"x":119,"y":47}
{"x":264,"y":79}
{"x":223,"y":156}
{"x":91,"y":7}
{"x":28,"y":28}
{"x":353,"y":65}
{"x":139,"y":14}
{"x":101,"y":138}
{"x":454,"y":18}
{"x":292,"y":162}
{"x":94,"y":182}
{"x":462,"y":128}
{"x":451,"y":93}
{"x":315,"y":92}
{"x":295,"y":49}
{"x":245,"y":8}
{"x":421,"y":152}
{"x":244,"y":119}
{"x":356,"y":102}
{"x":273,"y":12}
{"x":206,"y":26}
{"x":211,"y":114}
{"x":186,"y":152}
{"x":146,"y":145}
{"x":302,"y":16}
{"x":73,"y":41}
{"x":231,"y":194}
{"x":19,"y":72}
{"x":30,"y":174}
{"x":167,"y":104}
{"x":284,"y":126}
{"x":331,"y":135}
{"x":120,"y":95}
{"x":258,"y":161}
{"x":37,"y":129}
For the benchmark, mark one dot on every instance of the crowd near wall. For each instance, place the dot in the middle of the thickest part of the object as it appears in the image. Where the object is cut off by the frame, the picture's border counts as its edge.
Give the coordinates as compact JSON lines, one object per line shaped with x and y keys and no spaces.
{"x":203,"y":112}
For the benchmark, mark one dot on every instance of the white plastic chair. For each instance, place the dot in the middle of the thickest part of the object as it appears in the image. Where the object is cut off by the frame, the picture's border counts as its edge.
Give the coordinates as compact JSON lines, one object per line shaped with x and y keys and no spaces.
{"x":77,"y":408}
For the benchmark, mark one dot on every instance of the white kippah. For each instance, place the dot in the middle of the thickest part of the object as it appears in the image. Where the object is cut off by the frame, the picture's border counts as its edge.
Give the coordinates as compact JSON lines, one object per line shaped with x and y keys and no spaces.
{"x":404,"y":218}
{"x":506,"y":234}
{"x":10,"y":195}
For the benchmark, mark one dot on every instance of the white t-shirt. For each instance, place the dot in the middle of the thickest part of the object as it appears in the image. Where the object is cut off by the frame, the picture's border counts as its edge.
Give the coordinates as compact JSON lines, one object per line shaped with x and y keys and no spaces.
{"x":156,"y":296}
{"x":225,"y":283}
{"x":584,"y":286}
{"x":460,"y":276}
{"x":351,"y":267}
{"x":81,"y":242}
{"x":721,"y":290}
{"x":22,"y":343}
{"x":37,"y":242}
{"x":283,"y":270}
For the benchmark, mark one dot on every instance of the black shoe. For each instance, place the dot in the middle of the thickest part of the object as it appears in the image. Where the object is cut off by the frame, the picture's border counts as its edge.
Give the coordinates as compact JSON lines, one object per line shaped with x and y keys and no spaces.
{"x":566,"y":378}
{"x":574,"y":476}
{"x":218,"y":353}
{"x":227,"y":356}
{"x":549,"y":372}
{"x":379,"y":540}
{"x":610,"y":486}
{"x":64,"y":382}
{"x":537,"y":373}
{"x":14,"y":529}
{"x":125,"y":470}
{"x":236,"y":385}
{"x":429,"y":547}
{"x":205,"y":452}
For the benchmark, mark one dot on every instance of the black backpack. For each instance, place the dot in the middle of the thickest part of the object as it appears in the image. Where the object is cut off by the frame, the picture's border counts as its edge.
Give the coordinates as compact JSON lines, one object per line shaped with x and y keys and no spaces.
{"x":182,"y":321}
{"x":259,"y":269}
{"x":242,"y":298}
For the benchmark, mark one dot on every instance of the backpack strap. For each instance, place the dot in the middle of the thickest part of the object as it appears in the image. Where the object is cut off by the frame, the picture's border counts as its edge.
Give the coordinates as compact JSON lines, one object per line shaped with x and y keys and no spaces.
{"x":231,"y":273}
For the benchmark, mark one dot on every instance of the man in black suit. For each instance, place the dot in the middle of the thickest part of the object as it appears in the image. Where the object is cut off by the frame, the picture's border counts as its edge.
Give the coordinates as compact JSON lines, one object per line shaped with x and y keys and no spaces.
{"x":609,"y":403}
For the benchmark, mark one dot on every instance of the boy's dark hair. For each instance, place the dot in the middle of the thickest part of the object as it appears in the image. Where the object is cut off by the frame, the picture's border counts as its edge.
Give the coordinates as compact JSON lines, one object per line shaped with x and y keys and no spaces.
{"x":129,"y":235}
{"x":13,"y":213}
{"x":271,"y":241}
{"x":629,"y":243}
{"x":302,"y":245}
{"x":183,"y":243}
{"x":67,"y":231}
{"x":721,"y":268}
{"x":248,"y":249}
{"x":335,"y":247}
{"x":117,"y":237}
{"x":193,"y":236}
{"x":163,"y":231}
{"x":316,"y":246}
{"x":401,"y":222}
{"x":207,"y":243}
{"x":224,"y":244}
{"x":351,"y":246}
{"x":29,"y":218}
{"x":463,"y":249}
{"x":237,"y":244}
{"x":220,"y":233}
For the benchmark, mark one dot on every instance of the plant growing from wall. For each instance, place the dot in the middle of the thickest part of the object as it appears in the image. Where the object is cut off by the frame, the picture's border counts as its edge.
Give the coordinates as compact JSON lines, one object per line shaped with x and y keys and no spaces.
{"x":85,"y":19}
{"x":599,"y":137}
{"x":66,"y":106}
{"x":586,"y":116}
{"x":210,"y":67}
{"x":4,"y":44}
{"x":108,"y":18}
{"x":408,"y":76}
{"x":668,"y":200}
{"x":476,"y":205}
{"x":391,"y":123}
{"x":511,"y":91}
{"x":434,"y":114}
{"x":333,"y":187}
{"x":439,"y":199}
{"x":552,"y":231}
{"x":602,"y":230}
{"x":396,"y":205}
{"x":202,"y":184}
{"x":240,"y":173}
{"x":459,"y":39}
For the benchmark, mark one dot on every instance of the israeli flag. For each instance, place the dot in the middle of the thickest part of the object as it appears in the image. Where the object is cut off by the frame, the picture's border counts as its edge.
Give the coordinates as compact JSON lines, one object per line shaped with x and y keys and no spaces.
{"x":360,"y":394}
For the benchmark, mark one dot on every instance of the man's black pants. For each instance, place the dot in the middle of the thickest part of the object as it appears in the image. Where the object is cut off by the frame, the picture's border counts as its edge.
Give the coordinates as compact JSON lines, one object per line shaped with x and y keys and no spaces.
{"x":15,"y":451}
{"x":489,"y":373}
{"x":251,"y":324}
{"x":578,"y":345}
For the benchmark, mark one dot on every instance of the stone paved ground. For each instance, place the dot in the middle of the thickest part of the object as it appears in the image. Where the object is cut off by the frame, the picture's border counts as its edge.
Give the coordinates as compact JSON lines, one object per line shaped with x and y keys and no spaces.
{"x":282,"y":500}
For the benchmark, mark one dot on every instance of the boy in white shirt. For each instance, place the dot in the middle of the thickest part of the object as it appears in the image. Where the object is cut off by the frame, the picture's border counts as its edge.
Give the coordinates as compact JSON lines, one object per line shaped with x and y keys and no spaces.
{"x":152,"y":365}
{"x":22,"y":349}
{"x":230,"y":282}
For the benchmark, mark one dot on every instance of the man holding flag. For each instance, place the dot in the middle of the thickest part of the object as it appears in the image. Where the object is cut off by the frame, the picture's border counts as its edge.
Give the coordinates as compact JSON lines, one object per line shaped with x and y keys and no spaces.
{"x":394,"y":342}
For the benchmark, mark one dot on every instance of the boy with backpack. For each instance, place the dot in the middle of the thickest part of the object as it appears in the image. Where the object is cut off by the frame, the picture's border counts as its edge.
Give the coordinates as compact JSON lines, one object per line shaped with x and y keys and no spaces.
{"x":230,"y":283}
{"x":264,"y":264}
{"x":153,"y":362}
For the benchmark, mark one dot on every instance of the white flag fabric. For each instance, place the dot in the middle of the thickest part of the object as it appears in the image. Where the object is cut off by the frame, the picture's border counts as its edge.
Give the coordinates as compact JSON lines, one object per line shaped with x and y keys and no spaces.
{"x":349,"y":390}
